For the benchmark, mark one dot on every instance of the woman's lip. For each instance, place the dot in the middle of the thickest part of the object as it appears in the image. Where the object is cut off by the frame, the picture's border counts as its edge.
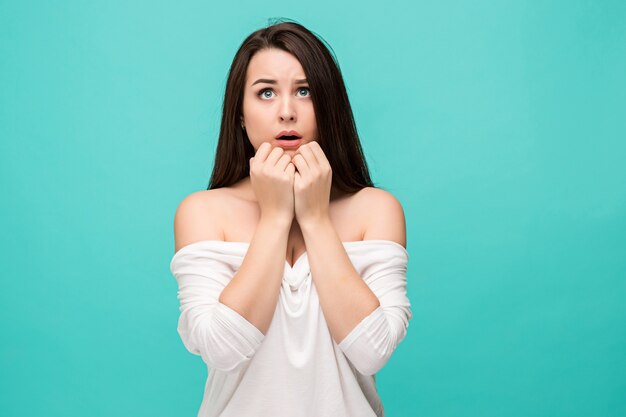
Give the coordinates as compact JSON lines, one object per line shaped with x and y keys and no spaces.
{"x":288,"y":143}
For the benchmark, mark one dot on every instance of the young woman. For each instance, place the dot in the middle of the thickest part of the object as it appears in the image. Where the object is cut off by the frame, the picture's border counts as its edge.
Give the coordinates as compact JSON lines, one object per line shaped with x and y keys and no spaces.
{"x":291,"y":267}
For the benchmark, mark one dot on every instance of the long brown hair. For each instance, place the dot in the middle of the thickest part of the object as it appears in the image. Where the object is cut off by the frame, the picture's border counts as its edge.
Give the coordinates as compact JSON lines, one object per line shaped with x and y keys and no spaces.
{"x":337,"y":131}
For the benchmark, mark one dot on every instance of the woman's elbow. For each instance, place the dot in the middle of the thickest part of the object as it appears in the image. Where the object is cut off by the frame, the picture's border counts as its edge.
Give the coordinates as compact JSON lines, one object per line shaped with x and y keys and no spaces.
{"x":214,"y":349}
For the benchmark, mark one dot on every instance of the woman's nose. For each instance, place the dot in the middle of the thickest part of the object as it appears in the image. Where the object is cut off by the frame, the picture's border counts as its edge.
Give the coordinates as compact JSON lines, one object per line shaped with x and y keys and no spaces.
{"x":287,"y":110}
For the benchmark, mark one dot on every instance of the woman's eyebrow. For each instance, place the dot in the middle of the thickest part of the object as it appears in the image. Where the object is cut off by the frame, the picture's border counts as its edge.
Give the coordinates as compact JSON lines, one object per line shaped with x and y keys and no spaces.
{"x":265,"y":80}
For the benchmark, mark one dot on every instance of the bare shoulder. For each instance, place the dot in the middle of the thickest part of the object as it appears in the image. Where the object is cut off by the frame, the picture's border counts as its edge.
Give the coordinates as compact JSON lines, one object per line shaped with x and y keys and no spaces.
{"x":198,"y":218}
{"x":383,"y":215}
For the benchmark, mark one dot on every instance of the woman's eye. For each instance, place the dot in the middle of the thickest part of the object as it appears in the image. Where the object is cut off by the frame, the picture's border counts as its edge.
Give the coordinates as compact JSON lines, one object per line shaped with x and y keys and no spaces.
{"x":263,"y":92}
{"x":306,"y":89}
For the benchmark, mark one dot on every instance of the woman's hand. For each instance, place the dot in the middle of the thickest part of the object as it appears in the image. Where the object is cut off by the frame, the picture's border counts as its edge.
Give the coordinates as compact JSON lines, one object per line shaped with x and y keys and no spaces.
{"x":272,"y":180}
{"x":312,"y":183}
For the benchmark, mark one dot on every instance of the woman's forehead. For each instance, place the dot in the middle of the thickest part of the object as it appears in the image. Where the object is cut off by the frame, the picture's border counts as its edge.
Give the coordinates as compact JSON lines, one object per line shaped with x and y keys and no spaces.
{"x":274,"y":65}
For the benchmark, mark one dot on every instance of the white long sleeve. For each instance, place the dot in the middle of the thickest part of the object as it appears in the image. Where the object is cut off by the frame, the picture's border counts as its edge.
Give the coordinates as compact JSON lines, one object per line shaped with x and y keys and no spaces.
{"x":296,"y":369}
{"x":221,"y":336}
{"x":370,"y":344}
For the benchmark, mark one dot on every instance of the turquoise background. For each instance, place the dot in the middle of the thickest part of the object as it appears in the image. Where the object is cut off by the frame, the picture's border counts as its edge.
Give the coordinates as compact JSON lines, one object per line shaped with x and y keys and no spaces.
{"x":500,"y":126}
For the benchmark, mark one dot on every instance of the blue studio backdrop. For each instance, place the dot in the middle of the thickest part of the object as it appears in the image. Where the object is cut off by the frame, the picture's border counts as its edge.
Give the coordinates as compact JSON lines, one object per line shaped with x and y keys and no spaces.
{"x":500,"y":127}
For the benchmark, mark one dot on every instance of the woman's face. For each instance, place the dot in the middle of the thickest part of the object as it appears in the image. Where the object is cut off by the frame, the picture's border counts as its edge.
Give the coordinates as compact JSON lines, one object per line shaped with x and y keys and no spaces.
{"x":278,"y":103}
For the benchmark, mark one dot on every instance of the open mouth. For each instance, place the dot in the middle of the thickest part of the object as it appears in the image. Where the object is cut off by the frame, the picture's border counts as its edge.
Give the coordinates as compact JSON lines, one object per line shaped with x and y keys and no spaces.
{"x":289,"y":142}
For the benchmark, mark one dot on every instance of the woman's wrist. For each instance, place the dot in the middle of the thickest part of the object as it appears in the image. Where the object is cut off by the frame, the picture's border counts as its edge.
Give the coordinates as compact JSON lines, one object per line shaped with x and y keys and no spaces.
{"x":276,"y":221}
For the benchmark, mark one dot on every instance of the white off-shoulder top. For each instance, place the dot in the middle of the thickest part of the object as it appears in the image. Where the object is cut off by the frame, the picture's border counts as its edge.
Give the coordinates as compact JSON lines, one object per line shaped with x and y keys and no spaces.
{"x":296,"y":369}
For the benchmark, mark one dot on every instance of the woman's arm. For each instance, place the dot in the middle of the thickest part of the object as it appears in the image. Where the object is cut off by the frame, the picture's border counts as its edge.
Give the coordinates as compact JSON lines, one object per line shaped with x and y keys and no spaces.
{"x":366,"y":319}
{"x":253,"y":290}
